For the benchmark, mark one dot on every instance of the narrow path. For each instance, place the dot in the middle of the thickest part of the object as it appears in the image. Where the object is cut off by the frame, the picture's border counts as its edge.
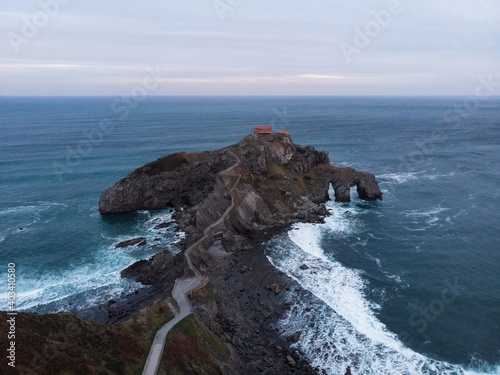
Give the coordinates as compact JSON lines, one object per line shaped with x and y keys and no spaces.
{"x":183,"y":287}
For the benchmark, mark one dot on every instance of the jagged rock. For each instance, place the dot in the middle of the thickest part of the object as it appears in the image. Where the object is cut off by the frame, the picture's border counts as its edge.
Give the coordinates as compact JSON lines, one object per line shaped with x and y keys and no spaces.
{"x":141,"y":241}
{"x":112,"y":308}
{"x":275,"y":288}
{"x":163,"y":225}
{"x":279,"y":176}
{"x":290,"y":361}
{"x":149,"y":271}
{"x":244,"y":269}
{"x":275,"y":172}
{"x":367,"y":186}
{"x":304,"y":267}
{"x":134,"y":270}
{"x":295,"y":337}
{"x":342,"y":179}
{"x":180,"y":179}
{"x":348,"y":371}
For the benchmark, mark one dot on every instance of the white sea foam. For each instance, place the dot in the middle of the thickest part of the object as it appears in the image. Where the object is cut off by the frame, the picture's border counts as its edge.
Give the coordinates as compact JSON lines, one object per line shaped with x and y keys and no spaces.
{"x":16,"y":210}
{"x":165,"y":238}
{"x":342,"y":330}
{"x":415,"y":229}
{"x":375,"y":259}
{"x":431,"y":212}
{"x":307,"y":236}
{"x":436,"y":176}
{"x":98,"y":279}
{"x":18,"y":219}
{"x":103,"y":273}
{"x":429,"y":216}
{"x":32,"y":208}
{"x":400,"y":178}
{"x":168,"y":236}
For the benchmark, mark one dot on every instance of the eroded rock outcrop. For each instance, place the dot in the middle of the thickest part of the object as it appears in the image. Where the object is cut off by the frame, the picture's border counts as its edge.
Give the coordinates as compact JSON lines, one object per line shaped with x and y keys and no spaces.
{"x":342,"y":179}
{"x":179,"y":179}
{"x":149,"y":271}
{"x":279,"y":181}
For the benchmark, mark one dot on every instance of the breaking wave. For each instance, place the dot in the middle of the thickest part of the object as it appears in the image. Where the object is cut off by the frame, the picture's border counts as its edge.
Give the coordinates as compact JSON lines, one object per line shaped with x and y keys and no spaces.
{"x":339,"y":324}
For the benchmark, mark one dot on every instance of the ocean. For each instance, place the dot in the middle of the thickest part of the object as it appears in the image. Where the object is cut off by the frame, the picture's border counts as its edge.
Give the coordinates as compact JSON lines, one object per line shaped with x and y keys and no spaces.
{"x":406,"y":285}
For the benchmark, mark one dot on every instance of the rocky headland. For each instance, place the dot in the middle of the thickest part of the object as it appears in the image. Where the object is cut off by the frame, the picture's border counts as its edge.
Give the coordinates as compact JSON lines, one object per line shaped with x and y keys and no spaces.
{"x":284,"y":176}
{"x":227,"y":202}
{"x":251,"y":189}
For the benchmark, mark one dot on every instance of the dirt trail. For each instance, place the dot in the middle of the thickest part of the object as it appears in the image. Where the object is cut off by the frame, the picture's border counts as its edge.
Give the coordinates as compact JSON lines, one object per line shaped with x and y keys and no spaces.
{"x":184,"y":286}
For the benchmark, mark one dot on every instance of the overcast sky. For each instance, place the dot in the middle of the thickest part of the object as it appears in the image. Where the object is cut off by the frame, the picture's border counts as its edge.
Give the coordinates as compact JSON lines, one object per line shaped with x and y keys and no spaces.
{"x":249,"y":47}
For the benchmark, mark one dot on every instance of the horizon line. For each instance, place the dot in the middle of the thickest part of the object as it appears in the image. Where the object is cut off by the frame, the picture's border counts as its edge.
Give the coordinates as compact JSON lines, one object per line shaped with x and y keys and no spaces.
{"x":249,"y":96}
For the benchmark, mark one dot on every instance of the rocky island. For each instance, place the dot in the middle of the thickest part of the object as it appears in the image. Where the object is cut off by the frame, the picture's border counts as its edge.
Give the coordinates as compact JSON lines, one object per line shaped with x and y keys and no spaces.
{"x":227,"y":202}
{"x":286,"y":177}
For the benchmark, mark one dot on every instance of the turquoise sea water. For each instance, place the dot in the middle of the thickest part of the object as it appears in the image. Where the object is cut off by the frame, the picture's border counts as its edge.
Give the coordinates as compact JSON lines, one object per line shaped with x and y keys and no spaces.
{"x":409,"y":284}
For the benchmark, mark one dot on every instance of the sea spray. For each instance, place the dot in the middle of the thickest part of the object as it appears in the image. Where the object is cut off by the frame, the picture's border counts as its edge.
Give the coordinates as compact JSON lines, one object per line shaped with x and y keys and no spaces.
{"x":98,"y":279}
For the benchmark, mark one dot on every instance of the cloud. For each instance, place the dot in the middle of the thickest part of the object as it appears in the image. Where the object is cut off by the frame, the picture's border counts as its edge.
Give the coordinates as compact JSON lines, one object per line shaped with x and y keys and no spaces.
{"x":259,"y":44}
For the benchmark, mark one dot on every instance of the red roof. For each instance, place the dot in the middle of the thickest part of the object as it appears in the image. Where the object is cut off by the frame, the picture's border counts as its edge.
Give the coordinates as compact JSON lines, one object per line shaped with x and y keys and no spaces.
{"x":263,"y":130}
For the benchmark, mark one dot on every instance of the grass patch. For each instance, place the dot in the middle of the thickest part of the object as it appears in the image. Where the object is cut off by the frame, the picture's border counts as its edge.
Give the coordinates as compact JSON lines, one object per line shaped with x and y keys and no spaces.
{"x":145,"y":323}
{"x":169,"y":163}
{"x":164,"y":164}
{"x":192,"y":349}
{"x":206,"y":294}
{"x":287,"y":191}
{"x":63,"y":344}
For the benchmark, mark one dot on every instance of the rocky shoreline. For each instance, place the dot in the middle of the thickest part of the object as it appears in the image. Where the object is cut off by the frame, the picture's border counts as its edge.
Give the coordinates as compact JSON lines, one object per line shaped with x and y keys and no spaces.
{"x":276,"y":183}
{"x":252,"y":296}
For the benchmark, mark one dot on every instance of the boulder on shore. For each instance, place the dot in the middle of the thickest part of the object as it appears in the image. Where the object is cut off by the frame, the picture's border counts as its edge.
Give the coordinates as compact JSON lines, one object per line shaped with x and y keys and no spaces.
{"x":140,"y":241}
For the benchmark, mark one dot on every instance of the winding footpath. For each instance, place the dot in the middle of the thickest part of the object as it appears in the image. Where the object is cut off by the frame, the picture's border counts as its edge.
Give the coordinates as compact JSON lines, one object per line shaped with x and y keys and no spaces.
{"x":184,"y":286}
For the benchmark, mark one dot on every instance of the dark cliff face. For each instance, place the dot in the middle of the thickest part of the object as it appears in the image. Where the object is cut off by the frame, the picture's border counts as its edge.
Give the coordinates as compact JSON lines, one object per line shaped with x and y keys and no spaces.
{"x":276,"y":173}
{"x":180,"y":179}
